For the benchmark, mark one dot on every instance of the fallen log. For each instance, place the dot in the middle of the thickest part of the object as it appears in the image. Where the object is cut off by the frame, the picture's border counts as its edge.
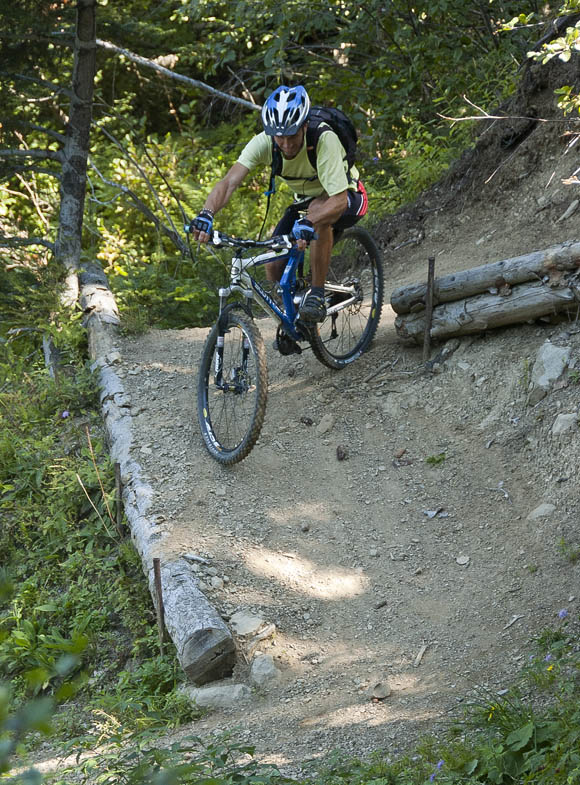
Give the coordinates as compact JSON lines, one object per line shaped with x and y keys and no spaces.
{"x":486,"y":311}
{"x":204,"y":644}
{"x":467,"y":283}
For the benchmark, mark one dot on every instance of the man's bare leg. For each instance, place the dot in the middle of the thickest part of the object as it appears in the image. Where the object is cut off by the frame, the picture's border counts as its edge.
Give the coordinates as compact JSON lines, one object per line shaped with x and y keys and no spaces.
{"x":323,"y":211}
{"x":320,"y":252}
{"x":275,"y":270}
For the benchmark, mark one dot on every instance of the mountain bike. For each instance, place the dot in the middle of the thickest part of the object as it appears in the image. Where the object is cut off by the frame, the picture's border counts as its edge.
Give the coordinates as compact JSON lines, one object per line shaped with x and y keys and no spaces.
{"x":233,"y":380}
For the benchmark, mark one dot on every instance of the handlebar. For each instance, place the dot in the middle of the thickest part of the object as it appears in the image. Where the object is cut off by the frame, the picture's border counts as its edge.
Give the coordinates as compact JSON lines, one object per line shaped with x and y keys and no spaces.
{"x":274,"y":243}
{"x":220,"y":239}
{"x":278,"y":243}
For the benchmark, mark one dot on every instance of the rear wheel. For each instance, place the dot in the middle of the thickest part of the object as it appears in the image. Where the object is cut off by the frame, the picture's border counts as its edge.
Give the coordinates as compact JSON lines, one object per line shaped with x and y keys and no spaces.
{"x":232,"y":388}
{"x":354,"y":300}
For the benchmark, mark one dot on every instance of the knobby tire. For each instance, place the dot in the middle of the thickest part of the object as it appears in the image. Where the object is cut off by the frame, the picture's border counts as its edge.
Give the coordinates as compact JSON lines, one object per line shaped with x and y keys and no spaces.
{"x":231,"y":420}
{"x":355,"y":259}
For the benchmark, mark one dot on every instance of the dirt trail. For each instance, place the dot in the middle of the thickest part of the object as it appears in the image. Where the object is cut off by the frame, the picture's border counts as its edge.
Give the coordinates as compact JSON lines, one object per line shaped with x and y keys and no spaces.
{"x":365,"y":563}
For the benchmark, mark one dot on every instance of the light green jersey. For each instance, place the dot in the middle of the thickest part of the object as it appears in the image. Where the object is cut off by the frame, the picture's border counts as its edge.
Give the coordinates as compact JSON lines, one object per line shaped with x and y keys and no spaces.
{"x":331,"y":176}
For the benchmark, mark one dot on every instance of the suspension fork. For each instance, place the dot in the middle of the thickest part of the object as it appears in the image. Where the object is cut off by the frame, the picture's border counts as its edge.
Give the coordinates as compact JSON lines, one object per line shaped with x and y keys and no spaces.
{"x":219,"y":362}
{"x":220,"y":344}
{"x":219,"y":354}
{"x":245,"y":355}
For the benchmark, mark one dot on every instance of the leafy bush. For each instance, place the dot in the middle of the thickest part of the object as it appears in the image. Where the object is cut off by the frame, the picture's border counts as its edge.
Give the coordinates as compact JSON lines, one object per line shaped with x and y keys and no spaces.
{"x":134,"y":760}
{"x":59,"y":548}
{"x":147,"y":695}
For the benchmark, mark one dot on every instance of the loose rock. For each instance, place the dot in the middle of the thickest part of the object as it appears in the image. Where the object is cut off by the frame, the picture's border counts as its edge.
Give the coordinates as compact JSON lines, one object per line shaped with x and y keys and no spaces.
{"x":246,"y":623}
{"x":218,"y":695}
{"x":264,"y":670}
{"x":543,"y":511}
{"x":564,"y":423}
{"x":325,"y":425}
{"x":379,"y":691}
{"x":550,"y":364}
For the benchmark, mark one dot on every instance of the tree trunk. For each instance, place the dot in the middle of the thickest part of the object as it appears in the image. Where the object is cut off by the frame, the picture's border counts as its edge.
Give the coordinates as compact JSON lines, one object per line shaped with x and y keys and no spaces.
{"x":74,"y":168}
{"x":485,"y":311}
{"x":458,"y":286}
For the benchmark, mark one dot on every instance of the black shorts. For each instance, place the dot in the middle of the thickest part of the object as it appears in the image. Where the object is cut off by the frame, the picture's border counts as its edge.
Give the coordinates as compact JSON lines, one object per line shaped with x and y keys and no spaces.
{"x":357,"y":207}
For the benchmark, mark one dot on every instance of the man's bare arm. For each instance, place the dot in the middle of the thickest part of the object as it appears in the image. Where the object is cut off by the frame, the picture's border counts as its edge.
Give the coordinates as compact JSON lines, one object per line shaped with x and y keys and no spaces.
{"x":222,"y":191}
{"x":221,"y":194}
{"x":326,"y":211}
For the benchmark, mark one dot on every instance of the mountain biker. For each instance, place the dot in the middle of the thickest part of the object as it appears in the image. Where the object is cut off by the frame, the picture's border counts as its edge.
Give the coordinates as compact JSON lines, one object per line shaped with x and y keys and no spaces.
{"x":338,"y":197}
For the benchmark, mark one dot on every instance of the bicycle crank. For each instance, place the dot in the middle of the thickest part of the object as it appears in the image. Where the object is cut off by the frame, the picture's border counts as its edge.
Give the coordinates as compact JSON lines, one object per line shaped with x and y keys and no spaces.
{"x":286,"y":345}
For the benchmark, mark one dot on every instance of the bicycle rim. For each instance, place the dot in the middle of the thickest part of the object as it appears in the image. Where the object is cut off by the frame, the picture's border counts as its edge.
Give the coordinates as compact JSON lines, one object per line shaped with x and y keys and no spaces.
{"x":355,"y":265}
{"x":231,"y":406}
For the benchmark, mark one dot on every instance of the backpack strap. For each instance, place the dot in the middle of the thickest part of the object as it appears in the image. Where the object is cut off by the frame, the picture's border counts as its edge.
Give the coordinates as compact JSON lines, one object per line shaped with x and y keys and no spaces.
{"x":275,"y":170}
{"x":313,"y":134}
{"x":312,"y":137}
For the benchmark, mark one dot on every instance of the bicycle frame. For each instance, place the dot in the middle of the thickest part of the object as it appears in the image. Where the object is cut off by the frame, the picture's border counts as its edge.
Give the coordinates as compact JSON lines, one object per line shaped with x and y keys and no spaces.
{"x":241,"y":281}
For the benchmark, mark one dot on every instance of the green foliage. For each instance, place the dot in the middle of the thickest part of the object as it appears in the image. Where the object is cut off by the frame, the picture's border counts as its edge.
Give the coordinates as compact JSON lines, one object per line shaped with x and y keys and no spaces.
{"x":159,"y":146}
{"x":34,"y":716}
{"x":346,"y":55}
{"x":28,"y":302}
{"x":563,"y":47}
{"x":44,"y":461}
{"x":134,"y":761}
{"x":147,"y":694}
{"x":524,"y":744}
{"x":59,"y":549}
{"x":28,"y":717}
{"x":436,"y":460}
{"x":570,"y":551}
{"x":387,"y":62}
{"x":417,"y":159}
{"x":153,"y":283}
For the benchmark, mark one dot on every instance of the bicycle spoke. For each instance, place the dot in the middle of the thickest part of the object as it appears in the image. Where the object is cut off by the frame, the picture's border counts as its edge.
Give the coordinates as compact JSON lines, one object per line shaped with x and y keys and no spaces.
{"x":356,"y":266}
{"x":231,"y":410}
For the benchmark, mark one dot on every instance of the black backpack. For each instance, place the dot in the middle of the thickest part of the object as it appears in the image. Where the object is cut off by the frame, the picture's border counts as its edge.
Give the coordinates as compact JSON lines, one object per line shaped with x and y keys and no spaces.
{"x":321,"y":119}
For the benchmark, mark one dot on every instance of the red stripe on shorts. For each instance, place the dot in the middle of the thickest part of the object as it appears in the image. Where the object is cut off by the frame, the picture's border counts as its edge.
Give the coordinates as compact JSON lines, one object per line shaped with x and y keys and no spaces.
{"x":365,"y":200}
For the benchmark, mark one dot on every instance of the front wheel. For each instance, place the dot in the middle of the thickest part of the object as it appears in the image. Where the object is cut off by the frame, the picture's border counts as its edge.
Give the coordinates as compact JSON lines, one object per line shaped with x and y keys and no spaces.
{"x":354,"y":300}
{"x":232,"y":388}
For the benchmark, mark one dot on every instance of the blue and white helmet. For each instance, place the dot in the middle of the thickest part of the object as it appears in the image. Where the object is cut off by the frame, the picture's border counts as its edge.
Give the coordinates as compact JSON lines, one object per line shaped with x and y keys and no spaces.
{"x":285,"y":111}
